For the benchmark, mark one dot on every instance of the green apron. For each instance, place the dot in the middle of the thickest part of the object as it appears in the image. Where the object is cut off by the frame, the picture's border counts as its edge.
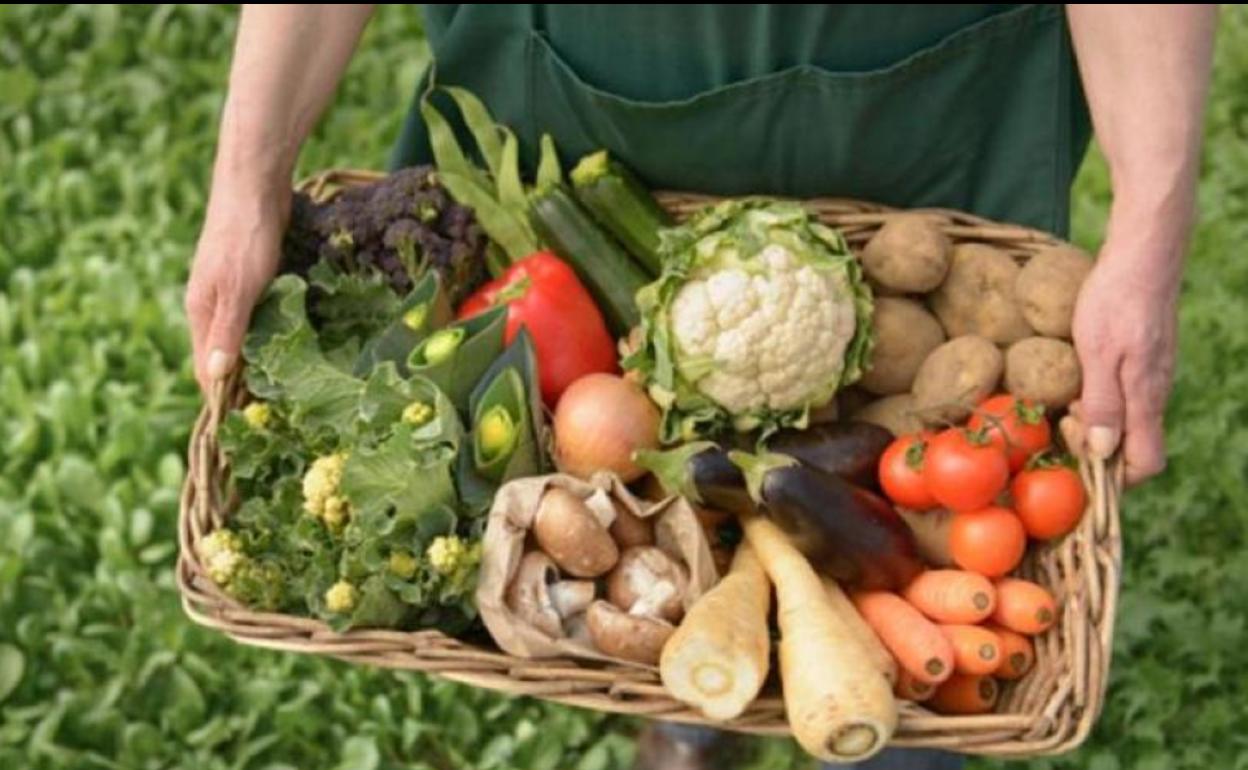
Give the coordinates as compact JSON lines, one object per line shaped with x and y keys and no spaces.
{"x":973,"y":107}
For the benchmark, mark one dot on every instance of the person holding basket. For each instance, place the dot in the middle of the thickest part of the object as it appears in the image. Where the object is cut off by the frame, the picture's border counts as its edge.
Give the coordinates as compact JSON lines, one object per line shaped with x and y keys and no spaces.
{"x":982,"y":108}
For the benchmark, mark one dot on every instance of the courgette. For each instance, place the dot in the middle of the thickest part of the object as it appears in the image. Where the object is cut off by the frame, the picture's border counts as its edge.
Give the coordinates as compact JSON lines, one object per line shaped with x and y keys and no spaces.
{"x":622,"y":205}
{"x":609,"y":273}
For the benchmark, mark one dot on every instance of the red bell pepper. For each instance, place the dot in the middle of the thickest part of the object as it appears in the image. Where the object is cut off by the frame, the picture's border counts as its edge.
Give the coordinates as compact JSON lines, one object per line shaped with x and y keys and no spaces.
{"x":570,"y":337}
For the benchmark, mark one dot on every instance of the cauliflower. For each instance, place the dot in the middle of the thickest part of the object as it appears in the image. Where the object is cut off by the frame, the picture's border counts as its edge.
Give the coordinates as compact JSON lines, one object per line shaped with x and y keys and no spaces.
{"x":321,"y":494}
{"x":258,"y":415}
{"x":255,"y":583}
{"x":451,"y":557}
{"x":445,"y":553}
{"x":340,"y":598}
{"x":221,"y":553}
{"x":760,"y":315}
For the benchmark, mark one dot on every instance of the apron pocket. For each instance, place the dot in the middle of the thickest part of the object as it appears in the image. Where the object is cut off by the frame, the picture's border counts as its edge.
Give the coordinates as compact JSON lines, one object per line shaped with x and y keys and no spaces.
{"x":971,"y":122}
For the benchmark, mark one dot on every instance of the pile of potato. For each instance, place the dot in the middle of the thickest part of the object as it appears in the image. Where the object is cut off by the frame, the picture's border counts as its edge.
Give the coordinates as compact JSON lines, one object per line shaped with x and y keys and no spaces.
{"x":952,"y":323}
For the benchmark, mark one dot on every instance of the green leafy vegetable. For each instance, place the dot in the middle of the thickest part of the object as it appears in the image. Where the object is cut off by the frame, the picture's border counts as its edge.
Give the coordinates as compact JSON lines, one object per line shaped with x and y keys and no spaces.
{"x":347,"y":480}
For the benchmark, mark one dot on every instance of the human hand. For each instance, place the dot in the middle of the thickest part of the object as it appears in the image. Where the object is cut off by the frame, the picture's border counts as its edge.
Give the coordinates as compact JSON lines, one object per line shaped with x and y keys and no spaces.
{"x":235,"y":259}
{"x":1125,"y":332}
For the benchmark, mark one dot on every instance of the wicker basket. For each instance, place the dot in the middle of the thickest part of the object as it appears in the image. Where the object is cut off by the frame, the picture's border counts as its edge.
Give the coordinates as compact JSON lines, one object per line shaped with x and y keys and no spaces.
{"x":1051,"y":710}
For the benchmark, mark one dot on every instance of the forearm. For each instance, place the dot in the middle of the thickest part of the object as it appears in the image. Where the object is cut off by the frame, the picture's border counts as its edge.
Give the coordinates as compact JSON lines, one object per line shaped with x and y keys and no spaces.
{"x":287,"y":62}
{"x":1145,"y":71}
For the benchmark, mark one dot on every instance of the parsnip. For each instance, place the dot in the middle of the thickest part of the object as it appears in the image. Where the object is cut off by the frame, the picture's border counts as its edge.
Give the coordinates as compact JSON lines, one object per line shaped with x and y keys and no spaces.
{"x":840,"y":707}
{"x":841,"y":605}
{"x":717,"y":660}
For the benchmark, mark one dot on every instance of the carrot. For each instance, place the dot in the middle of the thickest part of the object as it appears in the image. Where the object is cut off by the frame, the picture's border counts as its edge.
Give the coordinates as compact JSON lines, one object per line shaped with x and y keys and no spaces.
{"x":841,"y":604}
{"x":965,"y":694}
{"x":952,"y":596}
{"x":914,"y":640}
{"x":1024,"y":606}
{"x":909,"y":688}
{"x":1017,"y":653}
{"x":976,"y":650}
{"x":840,"y":709}
{"x":717,"y":660}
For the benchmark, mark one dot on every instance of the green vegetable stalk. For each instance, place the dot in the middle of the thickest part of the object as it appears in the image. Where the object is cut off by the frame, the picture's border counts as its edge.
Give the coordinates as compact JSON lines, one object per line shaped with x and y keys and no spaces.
{"x":456,"y":357}
{"x":425,"y":310}
{"x":507,"y":426}
{"x":436,"y":348}
{"x":496,"y":436}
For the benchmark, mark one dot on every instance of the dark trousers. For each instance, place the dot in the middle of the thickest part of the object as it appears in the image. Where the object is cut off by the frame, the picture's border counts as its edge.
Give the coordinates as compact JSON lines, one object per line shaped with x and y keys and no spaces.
{"x":888,"y":759}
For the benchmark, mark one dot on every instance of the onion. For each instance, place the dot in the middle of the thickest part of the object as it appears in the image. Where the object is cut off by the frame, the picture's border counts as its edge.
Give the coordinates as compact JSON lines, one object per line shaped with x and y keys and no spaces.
{"x":600,"y":420}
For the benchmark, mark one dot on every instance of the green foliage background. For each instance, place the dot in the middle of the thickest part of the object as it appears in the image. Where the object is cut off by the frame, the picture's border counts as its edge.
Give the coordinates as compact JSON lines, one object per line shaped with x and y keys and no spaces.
{"x":107,"y":122}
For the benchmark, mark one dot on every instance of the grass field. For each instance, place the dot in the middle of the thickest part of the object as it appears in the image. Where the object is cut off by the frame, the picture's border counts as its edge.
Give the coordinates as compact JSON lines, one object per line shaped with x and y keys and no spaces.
{"x":107,"y":119}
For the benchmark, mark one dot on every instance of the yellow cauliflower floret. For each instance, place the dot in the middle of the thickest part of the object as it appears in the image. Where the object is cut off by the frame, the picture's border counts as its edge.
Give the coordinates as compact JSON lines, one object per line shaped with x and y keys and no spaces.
{"x":221,"y":553}
{"x":403,"y":564}
{"x":341,"y":597}
{"x":258,"y":415}
{"x":446,"y":553}
{"x":321,"y":497}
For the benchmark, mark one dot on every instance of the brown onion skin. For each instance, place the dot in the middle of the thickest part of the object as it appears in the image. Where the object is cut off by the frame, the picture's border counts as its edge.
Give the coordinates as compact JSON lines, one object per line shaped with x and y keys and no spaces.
{"x":600,"y":420}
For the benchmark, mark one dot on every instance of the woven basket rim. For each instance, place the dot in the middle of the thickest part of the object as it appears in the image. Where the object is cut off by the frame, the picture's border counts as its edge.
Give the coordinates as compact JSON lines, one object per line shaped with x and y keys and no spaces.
{"x":1051,"y":710}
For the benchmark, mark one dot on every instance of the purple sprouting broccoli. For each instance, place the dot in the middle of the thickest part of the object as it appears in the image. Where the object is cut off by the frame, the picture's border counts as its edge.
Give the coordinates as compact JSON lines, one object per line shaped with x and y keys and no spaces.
{"x":399,"y":227}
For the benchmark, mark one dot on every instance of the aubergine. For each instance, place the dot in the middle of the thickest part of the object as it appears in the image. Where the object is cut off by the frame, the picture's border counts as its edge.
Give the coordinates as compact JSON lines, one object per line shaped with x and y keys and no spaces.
{"x":850,"y":450}
{"x":846,"y":532}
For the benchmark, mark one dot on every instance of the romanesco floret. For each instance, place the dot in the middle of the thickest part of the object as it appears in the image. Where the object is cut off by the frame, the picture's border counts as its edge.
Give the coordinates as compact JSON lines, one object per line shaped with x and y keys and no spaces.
{"x":321,"y":495}
{"x":445,"y":553}
{"x":258,"y":415}
{"x":257,"y":584}
{"x":403,"y":564}
{"x":417,"y":413}
{"x":221,"y":553}
{"x":341,"y":597}
{"x":454,"y":559}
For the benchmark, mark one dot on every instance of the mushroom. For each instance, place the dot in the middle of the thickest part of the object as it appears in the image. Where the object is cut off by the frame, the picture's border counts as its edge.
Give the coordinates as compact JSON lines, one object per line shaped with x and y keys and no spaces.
{"x":629,"y":529}
{"x":648,"y":582}
{"x":569,"y":532}
{"x":626,"y":636}
{"x":578,"y":629}
{"x":541,"y":599}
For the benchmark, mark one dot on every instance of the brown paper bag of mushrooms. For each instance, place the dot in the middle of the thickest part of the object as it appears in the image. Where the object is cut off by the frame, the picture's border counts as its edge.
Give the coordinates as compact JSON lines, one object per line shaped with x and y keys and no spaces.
{"x":580,"y":568}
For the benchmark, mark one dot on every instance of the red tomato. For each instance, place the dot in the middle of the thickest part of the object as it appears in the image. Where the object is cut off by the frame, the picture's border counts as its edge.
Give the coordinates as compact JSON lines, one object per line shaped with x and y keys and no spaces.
{"x":1014,"y":424}
{"x":990,"y":542}
{"x":901,"y":473}
{"x":1049,"y":501}
{"x":964,"y":472}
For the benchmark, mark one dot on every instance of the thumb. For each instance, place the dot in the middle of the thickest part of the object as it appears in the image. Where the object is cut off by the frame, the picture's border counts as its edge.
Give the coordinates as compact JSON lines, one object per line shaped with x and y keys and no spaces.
{"x":225,"y":337}
{"x":1101,"y":407}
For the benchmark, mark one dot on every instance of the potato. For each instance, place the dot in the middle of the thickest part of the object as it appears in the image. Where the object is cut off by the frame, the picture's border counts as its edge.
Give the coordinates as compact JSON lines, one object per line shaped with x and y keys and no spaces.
{"x":910,"y":253}
{"x":1043,"y":370}
{"x":1047,"y":287}
{"x":955,"y":377}
{"x":905,"y":333}
{"x":978,"y":298}
{"x":893,"y":413}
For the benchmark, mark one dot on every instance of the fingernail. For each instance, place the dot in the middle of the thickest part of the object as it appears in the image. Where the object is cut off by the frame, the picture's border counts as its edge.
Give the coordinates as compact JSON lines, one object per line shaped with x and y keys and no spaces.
{"x":218,"y":364}
{"x":1102,"y":441}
